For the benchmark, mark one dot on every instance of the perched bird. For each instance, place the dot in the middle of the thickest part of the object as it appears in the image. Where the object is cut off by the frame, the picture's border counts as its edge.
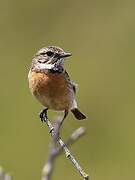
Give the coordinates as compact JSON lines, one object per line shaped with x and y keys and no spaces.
{"x":50,"y":83}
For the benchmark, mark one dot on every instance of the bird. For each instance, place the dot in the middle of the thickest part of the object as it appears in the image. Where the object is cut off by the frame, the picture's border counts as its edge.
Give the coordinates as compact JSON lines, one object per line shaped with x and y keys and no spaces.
{"x":50,"y":83}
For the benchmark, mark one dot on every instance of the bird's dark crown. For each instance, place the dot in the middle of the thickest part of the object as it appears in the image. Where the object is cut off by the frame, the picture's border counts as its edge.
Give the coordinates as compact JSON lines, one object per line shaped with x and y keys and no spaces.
{"x":50,"y":50}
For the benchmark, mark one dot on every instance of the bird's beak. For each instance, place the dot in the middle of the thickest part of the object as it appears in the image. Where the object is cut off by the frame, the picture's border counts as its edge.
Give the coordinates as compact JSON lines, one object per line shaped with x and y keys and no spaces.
{"x":65,"y":55}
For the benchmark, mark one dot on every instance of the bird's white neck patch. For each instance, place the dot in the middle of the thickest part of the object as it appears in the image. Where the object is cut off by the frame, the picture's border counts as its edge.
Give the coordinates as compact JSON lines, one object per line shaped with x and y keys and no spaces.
{"x":46,"y":66}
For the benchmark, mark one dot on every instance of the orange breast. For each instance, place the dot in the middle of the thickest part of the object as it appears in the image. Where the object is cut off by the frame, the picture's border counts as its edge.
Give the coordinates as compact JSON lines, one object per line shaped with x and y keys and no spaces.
{"x":51,"y":90}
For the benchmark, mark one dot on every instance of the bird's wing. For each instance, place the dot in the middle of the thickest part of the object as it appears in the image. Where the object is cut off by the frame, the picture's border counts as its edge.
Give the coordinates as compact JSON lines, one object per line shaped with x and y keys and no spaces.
{"x":72,"y":84}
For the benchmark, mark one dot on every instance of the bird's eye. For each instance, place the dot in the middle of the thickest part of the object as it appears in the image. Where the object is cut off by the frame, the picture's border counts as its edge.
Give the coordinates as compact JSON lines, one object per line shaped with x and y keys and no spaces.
{"x":43,"y":53}
{"x":49,"y":53}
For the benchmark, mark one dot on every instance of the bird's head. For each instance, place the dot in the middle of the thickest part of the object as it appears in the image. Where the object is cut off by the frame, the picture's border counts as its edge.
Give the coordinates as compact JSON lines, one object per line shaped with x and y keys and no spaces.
{"x":49,"y":57}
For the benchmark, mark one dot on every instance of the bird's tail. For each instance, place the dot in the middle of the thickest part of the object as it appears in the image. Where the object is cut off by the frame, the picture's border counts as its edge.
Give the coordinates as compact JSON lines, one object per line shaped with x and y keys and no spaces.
{"x":78,"y":114}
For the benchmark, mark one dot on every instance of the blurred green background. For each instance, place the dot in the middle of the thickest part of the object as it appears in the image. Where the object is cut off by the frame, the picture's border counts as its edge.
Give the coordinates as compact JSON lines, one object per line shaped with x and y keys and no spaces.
{"x":101,"y":37}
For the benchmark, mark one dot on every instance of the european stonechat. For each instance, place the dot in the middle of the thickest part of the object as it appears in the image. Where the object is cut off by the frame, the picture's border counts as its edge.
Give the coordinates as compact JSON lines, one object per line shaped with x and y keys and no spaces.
{"x":50,"y":83}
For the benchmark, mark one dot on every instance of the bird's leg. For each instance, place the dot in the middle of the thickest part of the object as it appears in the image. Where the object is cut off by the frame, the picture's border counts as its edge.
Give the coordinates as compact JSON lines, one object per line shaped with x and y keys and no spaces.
{"x":65,"y":115}
{"x":59,"y":124}
{"x":43,"y":117}
{"x":43,"y":114}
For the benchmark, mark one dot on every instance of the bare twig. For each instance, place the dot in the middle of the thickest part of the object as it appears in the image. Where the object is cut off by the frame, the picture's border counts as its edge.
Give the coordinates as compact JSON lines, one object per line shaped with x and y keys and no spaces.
{"x":55,"y":151}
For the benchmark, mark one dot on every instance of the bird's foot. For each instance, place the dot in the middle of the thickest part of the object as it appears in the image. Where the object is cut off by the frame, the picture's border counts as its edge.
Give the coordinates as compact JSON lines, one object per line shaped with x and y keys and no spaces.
{"x":43,"y":115}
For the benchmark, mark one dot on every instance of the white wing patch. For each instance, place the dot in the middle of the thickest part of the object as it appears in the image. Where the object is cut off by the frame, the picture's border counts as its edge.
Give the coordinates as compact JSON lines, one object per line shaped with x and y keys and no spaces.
{"x":74,"y":105}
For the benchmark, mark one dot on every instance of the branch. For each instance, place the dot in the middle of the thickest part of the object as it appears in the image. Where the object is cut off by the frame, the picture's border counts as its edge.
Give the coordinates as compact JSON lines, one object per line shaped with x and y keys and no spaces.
{"x":55,"y":151}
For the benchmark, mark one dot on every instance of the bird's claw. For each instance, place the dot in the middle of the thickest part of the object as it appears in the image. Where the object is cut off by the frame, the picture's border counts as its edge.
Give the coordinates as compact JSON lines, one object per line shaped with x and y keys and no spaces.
{"x":43,"y":115}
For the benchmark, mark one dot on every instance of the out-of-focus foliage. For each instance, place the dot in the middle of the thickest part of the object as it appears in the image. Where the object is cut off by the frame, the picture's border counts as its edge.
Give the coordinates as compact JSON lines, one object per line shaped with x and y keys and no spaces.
{"x":101,"y":36}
